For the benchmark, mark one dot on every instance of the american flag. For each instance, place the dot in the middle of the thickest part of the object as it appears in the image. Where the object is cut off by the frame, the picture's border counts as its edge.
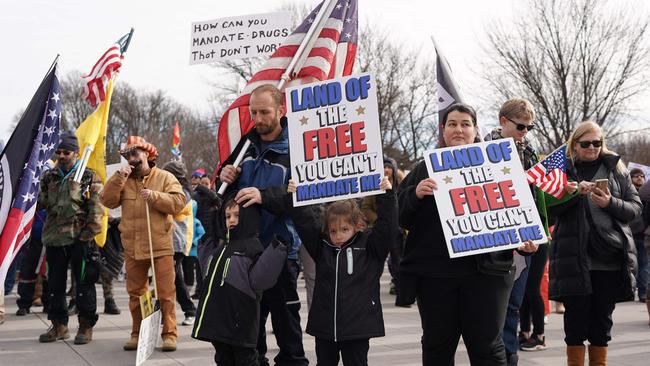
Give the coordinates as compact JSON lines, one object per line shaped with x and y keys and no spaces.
{"x":22,"y":163}
{"x":331,"y":56}
{"x":110,"y":62}
{"x":550,"y":174}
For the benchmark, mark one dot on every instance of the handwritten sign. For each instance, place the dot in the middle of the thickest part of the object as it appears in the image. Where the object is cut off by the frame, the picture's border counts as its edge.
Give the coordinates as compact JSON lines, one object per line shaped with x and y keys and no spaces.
{"x":148,"y":337}
{"x":238,"y":37}
{"x":335,"y":141}
{"x":484,"y":201}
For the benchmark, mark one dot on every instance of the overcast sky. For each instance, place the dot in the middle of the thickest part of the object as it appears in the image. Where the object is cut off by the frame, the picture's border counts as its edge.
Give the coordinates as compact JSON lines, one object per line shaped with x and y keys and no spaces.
{"x":34,"y":32}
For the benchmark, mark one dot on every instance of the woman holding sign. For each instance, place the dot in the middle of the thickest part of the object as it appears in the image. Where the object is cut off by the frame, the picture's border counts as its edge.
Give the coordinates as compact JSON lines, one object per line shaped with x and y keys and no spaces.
{"x":465,"y":296}
{"x":592,"y":254}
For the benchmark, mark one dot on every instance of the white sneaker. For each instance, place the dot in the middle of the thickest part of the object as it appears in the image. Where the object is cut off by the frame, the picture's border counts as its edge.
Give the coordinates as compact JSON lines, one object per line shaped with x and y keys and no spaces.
{"x":189,"y":320}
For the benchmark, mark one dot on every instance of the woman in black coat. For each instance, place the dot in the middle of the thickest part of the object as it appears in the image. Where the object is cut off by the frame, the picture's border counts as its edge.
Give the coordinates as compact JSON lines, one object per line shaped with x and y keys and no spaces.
{"x":465,"y":296}
{"x":592,"y":256}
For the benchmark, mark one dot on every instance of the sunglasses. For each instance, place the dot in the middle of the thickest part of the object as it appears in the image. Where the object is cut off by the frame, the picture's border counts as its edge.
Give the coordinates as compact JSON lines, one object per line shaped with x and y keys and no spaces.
{"x":585,"y":144}
{"x":130,"y":153}
{"x":521,"y":126}
{"x":63,"y":152}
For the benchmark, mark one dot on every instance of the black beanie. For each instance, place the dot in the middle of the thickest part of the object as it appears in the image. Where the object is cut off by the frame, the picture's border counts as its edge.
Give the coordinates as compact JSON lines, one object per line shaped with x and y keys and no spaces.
{"x":68,"y":141}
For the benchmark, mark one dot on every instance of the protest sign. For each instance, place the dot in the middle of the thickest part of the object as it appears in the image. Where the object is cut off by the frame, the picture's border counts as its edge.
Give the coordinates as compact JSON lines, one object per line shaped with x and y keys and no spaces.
{"x":335,"y":140}
{"x":483,"y":198}
{"x":238,"y":37}
{"x":644,"y":168}
{"x":148,"y":337}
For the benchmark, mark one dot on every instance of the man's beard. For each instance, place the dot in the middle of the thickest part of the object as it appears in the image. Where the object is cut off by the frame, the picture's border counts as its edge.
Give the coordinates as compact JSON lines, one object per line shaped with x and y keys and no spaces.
{"x":265,"y":129}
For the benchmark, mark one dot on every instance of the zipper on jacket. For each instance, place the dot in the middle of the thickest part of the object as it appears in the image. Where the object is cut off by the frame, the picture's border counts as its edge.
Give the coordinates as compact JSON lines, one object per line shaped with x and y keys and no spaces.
{"x":336,"y":290}
{"x":350,"y":261}
{"x":225,"y":272}
{"x":207,"y":296}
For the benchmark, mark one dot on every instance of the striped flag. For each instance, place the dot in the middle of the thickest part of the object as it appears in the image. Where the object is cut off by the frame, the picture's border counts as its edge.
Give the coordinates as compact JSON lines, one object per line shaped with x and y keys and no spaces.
{"x":22,"y":163}
{"x":176,"y":141}
{"x":331,"y":55}
{"x":550,"y":174}
{"x":110,"y":62}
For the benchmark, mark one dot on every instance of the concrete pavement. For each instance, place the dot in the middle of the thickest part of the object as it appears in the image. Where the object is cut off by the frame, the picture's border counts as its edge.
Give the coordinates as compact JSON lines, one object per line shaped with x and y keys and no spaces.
{"x":19,"y":339}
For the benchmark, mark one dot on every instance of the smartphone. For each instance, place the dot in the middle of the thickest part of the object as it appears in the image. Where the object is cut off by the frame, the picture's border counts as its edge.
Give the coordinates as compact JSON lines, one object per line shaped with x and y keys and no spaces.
{"x":602,"y":184}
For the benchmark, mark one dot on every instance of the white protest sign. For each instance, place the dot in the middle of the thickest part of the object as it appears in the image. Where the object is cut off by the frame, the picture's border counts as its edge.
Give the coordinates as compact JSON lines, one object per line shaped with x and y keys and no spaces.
{"x":483,"y":198}
{"x":110,"y":170}
{"x":335,"y":140}
{"x":149,"y":336}
{"x":644,"y":168}
{"x":238,"y":37}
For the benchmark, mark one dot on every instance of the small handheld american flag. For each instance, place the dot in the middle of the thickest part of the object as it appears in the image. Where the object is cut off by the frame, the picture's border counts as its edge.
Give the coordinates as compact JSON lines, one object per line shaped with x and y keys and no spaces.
{"x":550,"y":174}
{"x":110,"y":62}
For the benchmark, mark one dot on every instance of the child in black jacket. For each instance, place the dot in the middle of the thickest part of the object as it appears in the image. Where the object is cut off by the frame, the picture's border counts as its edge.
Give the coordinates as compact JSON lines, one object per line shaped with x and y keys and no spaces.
{"x":346,"y":308}
{"x":238,"y":272}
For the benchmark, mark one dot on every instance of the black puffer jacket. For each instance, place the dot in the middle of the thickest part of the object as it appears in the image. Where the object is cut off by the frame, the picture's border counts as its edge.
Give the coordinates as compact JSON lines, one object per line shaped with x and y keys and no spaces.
{"x":238,"y":272}
{"x":346,"y":304}
{"x":425,"y":253}
{"x":569,"y":259}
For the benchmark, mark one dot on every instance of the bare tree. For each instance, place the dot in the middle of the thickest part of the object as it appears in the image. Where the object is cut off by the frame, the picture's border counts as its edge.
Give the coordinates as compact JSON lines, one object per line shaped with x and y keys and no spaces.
{"x":151,"y":115}
{"x":574,"y":59}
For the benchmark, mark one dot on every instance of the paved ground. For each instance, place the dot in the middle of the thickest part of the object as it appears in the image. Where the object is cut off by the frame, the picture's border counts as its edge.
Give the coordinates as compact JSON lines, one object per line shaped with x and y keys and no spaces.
{"x":19,"y":339}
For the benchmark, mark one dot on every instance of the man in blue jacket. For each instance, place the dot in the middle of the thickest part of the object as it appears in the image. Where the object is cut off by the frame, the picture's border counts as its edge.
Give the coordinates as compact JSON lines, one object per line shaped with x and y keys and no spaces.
{"x":266,"y":165}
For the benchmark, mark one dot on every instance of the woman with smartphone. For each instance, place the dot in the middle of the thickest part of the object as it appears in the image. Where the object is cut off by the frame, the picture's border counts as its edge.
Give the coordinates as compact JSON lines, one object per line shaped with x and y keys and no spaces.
{"x":592,"y":253}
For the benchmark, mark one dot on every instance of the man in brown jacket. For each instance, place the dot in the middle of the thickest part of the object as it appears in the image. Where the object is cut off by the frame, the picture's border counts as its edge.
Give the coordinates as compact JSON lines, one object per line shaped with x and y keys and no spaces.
{"x":134,"y":187}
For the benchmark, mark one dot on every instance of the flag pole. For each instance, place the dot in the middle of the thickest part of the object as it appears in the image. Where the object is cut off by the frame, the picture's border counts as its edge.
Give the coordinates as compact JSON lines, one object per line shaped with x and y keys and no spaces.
{"x":85,"y":157}
{"x":318,"y":24}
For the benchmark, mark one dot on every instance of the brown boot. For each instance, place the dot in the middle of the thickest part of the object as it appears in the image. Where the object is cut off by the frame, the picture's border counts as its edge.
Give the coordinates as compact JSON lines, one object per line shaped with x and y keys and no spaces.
{"x":131,"y":345}
{"x":57,"y":331}
{"x":85,"y":332}
{"x":575,"y":355}
{"x":169,"y":345}
{"x":597,"y":356}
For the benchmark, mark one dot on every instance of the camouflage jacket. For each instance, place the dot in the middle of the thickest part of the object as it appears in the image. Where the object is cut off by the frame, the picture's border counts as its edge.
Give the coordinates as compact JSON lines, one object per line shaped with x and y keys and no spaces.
{"x":73,"y":209}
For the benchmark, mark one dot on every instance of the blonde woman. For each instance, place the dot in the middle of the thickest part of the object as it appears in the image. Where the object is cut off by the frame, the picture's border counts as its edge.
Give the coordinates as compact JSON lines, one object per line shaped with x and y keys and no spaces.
{"x":592,"y":253}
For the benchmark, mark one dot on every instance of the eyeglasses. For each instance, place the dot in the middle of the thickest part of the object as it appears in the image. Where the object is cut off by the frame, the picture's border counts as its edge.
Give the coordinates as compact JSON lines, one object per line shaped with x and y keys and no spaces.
{"x":585,"y":144}
{"x":638,"y":176}
{"x":521,"y":126}
{"x":63,"y":152}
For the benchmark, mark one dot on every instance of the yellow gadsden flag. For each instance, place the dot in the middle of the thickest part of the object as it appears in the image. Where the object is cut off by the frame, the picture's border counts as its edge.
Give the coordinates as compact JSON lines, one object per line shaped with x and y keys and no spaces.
{"x":92,"y":136}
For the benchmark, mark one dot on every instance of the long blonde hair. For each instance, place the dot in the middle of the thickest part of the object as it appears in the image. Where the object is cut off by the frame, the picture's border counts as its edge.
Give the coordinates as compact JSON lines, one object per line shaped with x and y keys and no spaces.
{"x":582,"y":129}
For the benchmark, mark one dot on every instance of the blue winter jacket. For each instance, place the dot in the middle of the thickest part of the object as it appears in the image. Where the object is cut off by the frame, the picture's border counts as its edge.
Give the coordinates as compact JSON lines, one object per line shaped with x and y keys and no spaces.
{"x":266,"y":165}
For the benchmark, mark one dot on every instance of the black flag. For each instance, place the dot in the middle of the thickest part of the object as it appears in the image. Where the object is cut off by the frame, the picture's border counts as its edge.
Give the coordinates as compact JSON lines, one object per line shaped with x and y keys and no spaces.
{"x":448,"y":92}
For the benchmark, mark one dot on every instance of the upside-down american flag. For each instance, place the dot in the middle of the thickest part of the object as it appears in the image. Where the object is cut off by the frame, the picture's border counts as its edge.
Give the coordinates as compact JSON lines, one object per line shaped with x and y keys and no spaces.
{"x":550,"y":174}
{"x":331,"y":56}
{"x":22,"y":163}
{"x":97,"y":79}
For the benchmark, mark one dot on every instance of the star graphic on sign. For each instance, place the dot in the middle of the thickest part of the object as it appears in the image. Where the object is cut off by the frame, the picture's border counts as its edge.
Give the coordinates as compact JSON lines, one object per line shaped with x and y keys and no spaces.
{"x":49,"y":130}
{"x":360,"y":111}
{"x":55,"y":97}
{"x":52,"y":113}
{"x":505,"y":170}
{"x":448,"y":179}
{"x":303,"y":120}
{"x":29,"y":197}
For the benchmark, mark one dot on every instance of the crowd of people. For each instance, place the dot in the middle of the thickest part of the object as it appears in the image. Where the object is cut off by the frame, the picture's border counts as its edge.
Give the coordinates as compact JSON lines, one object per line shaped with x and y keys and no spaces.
{"x":246,"y":248}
